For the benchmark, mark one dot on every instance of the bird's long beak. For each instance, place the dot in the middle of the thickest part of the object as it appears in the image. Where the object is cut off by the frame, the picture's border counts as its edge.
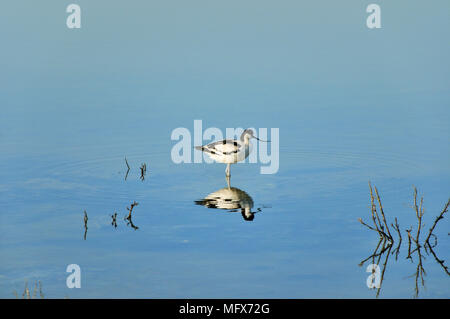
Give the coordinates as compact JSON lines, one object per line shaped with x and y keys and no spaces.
{"x":259,"y":139}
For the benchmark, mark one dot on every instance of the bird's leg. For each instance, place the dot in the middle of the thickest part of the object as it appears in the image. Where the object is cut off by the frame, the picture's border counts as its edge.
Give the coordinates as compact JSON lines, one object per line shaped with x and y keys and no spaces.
{"x":227,"y":170}
{"x":228,"y":182}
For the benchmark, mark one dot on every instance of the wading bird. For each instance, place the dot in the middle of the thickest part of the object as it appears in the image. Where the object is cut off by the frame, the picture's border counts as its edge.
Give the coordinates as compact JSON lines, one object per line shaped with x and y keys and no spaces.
{"x":230,"y":151}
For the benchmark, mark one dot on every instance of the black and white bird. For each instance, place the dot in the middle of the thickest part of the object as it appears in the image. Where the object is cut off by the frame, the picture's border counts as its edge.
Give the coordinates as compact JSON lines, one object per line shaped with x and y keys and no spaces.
{"x":230,"y":151}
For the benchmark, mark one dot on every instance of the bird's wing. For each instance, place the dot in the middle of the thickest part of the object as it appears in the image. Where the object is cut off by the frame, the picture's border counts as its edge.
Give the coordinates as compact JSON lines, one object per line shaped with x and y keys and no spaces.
{"x":223,"y":147}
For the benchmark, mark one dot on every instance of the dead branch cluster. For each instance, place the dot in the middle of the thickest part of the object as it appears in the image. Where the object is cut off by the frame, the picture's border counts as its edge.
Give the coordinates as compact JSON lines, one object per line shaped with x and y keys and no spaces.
{"x":386,"y":242}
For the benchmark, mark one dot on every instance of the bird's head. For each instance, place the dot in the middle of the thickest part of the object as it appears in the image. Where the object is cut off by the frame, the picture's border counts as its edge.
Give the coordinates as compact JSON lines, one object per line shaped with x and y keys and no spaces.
{"x":248,"y":134}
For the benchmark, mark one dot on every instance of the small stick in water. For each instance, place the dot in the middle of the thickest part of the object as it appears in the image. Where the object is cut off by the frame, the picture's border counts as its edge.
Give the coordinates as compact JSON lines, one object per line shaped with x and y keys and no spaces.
{"x":129,"y":217}
{"x":126,"y":162}
{"x":85,"y":224}
{"x":114,"y":220}
{"x":143,"y":171}
{"x":441,"y":216}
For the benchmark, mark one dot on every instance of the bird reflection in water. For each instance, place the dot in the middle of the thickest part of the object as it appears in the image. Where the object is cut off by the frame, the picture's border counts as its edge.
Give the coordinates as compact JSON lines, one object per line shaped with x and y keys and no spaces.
{"x":231,"y":199}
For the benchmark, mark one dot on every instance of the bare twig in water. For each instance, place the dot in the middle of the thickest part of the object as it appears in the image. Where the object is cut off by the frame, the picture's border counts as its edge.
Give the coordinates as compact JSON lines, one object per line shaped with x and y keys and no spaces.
{"x":376,"y":253}
{"x":382,"y":214}
{"x":440,"y":262}
{"x":386,"y":241}
{"x":129,"y":217}
{"x":420,"y":272}
{"x":128,"y":170}
{"x":419,"y":214}
{"x":384,"y":267}
{"x":397,"y":228}
{"x":85,"y":224}
{"x":375,"y":217}
{"x":379,"y":231}
{"x":143,"y":171}
{"x":30,"y":294}
{"x":26,"y":292}
{"x":130,"y":223}
{"x":378,"y":226}
{"x":408,"y":231}
{"x":41,"y":294}
{"x":441,"y":216}
{"x":34,"y":291}
{"x":429,"y":244}
{"x":430,"y":233}
{"x":114,"y":220}
{"x":130,"y":209}
{"x":384,"y":246}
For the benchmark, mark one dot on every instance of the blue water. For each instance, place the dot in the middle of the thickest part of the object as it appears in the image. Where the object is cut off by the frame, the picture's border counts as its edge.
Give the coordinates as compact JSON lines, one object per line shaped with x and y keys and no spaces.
{"x":351,"y":105}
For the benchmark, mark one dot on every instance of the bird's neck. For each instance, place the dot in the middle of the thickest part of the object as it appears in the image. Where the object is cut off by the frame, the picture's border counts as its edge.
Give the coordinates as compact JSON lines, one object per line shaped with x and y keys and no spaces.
{"x":246,"y":140}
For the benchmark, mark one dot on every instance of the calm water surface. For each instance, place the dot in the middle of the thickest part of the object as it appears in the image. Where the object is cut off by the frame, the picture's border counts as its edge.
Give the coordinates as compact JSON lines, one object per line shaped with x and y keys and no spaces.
{"x":75,"y":104}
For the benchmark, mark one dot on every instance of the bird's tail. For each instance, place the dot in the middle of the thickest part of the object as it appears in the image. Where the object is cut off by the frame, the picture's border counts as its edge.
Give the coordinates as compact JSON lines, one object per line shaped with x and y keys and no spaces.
{"x":200,"y":148}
